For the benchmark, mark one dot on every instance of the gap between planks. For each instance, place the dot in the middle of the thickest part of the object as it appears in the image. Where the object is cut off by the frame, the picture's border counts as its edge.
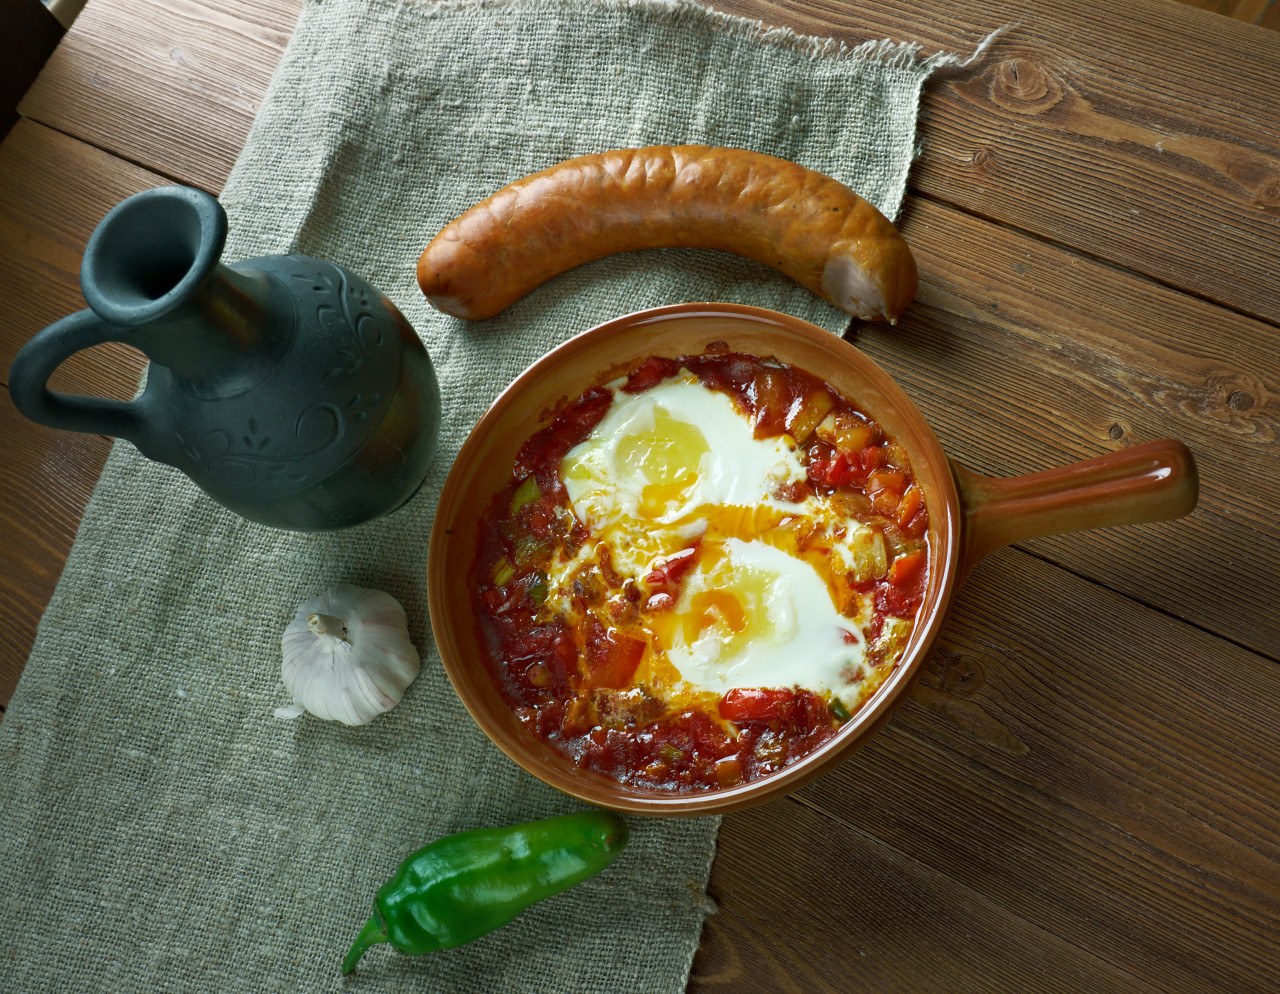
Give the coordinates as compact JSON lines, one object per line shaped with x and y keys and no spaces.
{"x":1072,"y":250}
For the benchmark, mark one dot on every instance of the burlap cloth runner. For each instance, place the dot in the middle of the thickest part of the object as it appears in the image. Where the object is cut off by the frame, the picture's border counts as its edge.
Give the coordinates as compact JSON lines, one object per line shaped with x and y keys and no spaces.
{"x":160,"y":830}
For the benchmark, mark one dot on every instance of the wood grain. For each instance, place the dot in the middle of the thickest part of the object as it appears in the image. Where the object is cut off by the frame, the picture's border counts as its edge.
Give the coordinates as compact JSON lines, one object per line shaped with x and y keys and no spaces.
{"x":1261,"y":12}
{"x":53,"y":192}
{"x":871,"y":919}
{"x":1085,"y":777}
{"x":46,"y":217}
{"x":46,"y":479}
{"x":1064,"y":132}
{"x":1026,"y":356}
{"x":173,"y":85}
{"x":1085,"y":148}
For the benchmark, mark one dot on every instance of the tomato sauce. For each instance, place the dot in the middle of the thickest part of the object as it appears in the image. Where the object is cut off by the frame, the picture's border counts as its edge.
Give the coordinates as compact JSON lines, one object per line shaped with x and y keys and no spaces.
{"x":571,"y":679}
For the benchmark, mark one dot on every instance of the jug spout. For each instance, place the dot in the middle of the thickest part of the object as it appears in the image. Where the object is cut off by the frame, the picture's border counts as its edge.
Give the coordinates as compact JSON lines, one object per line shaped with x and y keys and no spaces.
{"x":153,"y":265}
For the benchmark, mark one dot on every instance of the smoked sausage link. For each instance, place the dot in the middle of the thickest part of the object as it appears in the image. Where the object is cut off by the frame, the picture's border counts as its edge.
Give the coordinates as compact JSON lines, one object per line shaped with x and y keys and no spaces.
{"x":808,"y":225}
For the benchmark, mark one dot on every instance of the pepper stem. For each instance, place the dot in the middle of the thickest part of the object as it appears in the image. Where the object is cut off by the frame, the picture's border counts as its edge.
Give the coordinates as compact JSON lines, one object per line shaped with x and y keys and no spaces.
{"x":327,"y":624}
{"x":370,"y":935}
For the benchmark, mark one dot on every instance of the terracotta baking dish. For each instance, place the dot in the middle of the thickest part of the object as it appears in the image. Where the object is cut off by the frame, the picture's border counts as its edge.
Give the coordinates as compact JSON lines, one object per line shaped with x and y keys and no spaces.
{"x":970,"y":515}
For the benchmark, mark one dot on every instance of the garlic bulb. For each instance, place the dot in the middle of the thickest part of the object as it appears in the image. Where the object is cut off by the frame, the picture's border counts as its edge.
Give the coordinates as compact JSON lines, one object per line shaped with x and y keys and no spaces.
{"x":347,"y":655}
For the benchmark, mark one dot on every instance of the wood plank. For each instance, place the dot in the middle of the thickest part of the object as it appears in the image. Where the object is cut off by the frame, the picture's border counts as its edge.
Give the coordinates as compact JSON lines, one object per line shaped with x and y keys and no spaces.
{"x":46,"y":476}
{"x":46,"y":479}
{"x":1025,"y":356}
{"x":1249,"y":11}
{"x":46,"y":217}
{"x":1060,"y":132}
{"x":870,"y":919}
{"x":1168,"y":166}
{"x":1073,"y":767}
{"x":173,"y":85}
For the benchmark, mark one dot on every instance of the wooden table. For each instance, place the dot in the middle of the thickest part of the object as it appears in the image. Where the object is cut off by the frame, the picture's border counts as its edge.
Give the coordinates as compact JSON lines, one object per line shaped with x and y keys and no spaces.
{"x":1083,"y":791}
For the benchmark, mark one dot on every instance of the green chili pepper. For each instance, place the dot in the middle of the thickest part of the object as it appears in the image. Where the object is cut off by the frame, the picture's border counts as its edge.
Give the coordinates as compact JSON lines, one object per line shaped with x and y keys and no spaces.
{"x":462,"y":886}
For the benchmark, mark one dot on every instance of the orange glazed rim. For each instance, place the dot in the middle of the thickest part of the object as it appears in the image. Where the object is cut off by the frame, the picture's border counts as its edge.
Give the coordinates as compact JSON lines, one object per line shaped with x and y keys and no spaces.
{"x":483,"y":467}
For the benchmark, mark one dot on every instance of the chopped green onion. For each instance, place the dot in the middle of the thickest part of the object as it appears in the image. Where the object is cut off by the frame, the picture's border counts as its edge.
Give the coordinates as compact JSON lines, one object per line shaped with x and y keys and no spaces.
{"x":537,"y":586}
{"x":838,"y":710}
{"x":502,"y":573}
{"x":526,"y":493}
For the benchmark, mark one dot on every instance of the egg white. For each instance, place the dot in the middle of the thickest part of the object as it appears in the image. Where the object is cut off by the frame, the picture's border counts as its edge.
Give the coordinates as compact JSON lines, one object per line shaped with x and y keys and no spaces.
{"x":678,"y":465}
{"x":634,"y":451}
{"x":791,"y":635}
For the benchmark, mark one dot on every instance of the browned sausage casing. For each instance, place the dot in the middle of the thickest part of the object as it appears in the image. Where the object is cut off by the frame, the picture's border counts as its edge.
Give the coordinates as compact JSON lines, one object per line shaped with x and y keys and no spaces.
{"x":808,"y":225}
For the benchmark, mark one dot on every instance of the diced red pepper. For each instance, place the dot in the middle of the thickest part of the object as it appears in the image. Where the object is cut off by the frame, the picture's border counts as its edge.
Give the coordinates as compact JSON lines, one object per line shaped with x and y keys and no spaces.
{"x":757,"y":704}
{"x":612,"y":657}
{"x":918,"y":525}
{"x":665,"y":577}
{"x":887,"y":479}
{"x":910,"y":504}
{"x":907,"y":569}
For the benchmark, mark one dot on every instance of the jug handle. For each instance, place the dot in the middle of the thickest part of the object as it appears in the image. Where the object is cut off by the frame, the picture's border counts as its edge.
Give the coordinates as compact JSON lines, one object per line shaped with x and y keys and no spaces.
{"x":45,"y":352}
{"x":1154,"y":481}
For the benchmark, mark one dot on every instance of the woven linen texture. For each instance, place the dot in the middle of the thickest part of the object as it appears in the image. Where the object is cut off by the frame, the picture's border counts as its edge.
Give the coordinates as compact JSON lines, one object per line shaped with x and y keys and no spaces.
{"x":162,"y":831}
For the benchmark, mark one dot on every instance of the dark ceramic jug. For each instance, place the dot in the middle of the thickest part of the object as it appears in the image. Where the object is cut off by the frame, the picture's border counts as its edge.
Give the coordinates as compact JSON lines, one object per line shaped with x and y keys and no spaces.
{"x":286,"y":387}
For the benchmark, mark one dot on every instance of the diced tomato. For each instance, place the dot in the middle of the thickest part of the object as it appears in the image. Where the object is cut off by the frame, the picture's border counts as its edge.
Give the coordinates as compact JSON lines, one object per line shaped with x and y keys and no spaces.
{"x":502,"y":601}
{"x":612,"y":657}
{"x":842,"y":469}
{"x":903,"y":593}
{"x":757,"y":704}
{"x":542,"y":453}
{"x":794,"y":492}
{"x":836,"y":471}
{"x":552,"y":647}
{"x":660,"y":602}
{"x":538,"y":517}
{"x":650,"y":373}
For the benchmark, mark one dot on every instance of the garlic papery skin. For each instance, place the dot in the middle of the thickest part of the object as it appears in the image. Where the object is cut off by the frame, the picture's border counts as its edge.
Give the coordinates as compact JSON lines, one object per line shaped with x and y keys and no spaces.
{"x":347,"y":655}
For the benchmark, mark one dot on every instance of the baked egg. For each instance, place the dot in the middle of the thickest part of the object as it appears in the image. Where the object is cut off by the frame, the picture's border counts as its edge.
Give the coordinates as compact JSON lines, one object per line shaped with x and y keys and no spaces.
{"x":674,"y":476}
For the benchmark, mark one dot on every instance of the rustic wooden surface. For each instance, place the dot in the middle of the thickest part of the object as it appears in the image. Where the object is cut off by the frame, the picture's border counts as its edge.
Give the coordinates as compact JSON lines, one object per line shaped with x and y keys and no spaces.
{"x":1082,"y":793}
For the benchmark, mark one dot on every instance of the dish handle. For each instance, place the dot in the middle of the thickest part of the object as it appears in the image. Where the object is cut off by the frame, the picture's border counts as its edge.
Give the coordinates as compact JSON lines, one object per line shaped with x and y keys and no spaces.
{"x":1154,"y":481}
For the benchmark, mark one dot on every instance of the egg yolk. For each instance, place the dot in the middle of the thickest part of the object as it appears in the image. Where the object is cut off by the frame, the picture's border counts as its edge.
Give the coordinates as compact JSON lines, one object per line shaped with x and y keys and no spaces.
{"x":763,"y":602}
{"x":667,"y":456}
